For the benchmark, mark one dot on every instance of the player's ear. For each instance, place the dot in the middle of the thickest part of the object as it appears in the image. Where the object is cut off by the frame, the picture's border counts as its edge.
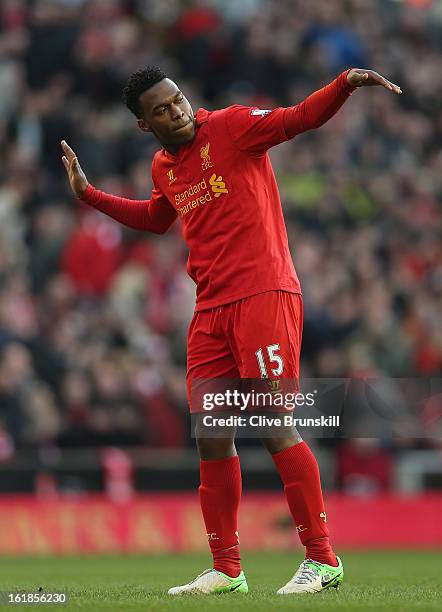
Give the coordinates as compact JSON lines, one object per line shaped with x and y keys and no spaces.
{"x":143,"y":125}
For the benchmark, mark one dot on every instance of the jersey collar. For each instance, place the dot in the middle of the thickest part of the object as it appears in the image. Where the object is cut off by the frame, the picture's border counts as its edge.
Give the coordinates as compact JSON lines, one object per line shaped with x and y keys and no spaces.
{"x":202,"y":115}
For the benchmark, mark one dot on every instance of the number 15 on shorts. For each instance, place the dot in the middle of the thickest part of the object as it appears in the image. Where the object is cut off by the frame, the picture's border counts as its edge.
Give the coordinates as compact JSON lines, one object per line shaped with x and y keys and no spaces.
{"x":274,"y":358}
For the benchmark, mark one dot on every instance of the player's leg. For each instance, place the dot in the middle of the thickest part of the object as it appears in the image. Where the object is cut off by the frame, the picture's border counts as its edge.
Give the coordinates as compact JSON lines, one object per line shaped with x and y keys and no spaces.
{"x":299,"y":471}
{"x":271,"y":323}
{"x":215,"y":449}
{"x":209,"y":357}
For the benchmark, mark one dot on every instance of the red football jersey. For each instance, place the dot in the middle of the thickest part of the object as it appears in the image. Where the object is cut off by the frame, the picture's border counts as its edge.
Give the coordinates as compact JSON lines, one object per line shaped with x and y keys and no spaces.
{"x":222,"y":186}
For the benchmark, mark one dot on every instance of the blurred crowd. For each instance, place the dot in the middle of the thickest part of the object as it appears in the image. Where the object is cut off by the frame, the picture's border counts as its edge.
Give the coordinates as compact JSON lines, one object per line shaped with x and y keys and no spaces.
{"x":94,"y":316}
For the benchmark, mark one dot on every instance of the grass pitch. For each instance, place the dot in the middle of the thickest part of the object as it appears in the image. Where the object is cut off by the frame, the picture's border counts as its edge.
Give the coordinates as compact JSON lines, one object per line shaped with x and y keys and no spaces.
{"x":381,"y":580}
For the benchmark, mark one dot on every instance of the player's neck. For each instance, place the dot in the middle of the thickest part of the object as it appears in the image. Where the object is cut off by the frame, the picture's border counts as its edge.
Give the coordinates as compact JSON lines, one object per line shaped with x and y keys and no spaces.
{"x":172,"y":149}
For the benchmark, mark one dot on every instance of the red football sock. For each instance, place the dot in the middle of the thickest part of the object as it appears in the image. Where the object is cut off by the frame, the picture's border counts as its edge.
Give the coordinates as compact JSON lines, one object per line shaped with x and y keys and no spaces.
{"x":299,"y":472}
{"x":220,"y":494}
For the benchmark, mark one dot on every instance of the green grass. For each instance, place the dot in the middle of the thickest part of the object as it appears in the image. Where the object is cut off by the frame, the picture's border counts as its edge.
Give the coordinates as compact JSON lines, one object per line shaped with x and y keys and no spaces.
{"x":380,"y":580}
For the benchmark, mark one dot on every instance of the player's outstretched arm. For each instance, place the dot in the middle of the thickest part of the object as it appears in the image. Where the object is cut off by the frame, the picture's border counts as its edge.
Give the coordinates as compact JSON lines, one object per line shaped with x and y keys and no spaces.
{"x":155,"y":215}
{"x":321,"y":105}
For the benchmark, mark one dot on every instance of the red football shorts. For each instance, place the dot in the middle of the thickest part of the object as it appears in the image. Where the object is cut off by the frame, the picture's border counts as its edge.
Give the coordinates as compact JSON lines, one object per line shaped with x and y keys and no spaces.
{"x":256,"y":337}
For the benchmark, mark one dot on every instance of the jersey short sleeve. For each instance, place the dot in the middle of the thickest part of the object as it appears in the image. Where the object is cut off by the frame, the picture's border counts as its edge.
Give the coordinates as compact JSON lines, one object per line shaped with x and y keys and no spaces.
{"x":255,"y":130}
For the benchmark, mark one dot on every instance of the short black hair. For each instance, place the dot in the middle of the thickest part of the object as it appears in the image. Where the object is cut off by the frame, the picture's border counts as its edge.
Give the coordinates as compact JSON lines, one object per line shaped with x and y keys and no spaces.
{"x":139,"y":82}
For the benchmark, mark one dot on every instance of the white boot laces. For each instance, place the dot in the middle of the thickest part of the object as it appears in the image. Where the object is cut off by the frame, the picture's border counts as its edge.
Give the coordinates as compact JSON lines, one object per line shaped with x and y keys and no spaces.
{"x":305,"y":573}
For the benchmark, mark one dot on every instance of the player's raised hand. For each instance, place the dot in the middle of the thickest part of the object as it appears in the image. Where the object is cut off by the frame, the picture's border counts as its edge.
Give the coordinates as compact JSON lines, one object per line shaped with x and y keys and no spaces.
{"x":359,"y":77}
{"x":77,"y":177}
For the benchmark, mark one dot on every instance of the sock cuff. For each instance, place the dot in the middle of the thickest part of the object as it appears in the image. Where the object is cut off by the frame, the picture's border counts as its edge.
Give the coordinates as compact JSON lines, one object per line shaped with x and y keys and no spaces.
{"x":219,"y":472}
{"x":298,"y":456}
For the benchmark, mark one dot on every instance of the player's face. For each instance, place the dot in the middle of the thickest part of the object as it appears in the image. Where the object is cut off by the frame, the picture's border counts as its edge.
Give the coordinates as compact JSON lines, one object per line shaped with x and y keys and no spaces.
{"x":167,"y":114}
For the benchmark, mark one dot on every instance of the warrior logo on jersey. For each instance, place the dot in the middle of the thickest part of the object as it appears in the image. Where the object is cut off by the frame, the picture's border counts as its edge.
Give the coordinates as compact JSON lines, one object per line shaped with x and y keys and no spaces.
{"x":172,"y":178}
{"x":204,"y":152}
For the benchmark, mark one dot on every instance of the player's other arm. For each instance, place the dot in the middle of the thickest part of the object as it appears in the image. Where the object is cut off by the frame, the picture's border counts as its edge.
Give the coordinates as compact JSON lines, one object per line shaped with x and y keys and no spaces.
{"x":254,"y":131}
{"x":321,"y":105}
{"x":154,"y":215}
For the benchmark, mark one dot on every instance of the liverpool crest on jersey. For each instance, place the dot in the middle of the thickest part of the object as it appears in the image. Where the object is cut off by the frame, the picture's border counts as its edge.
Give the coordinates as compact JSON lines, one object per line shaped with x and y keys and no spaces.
{"x":206,"y":161}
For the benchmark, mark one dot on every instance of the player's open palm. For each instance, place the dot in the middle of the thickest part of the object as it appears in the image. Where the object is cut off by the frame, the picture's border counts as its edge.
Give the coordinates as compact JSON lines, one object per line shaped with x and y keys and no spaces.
{"x":77,"y":177}
{"x":360,"y":77}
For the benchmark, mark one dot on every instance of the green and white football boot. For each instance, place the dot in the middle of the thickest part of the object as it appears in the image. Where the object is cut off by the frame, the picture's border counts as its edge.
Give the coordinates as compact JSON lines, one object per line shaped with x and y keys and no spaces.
{"x":212,"y":581}
{"x":313,"y":577}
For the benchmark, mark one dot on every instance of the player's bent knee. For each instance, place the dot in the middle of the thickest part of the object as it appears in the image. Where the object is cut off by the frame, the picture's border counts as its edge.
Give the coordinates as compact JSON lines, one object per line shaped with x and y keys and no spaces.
{"x":276,"y":445}
{"x":215,"y":448}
